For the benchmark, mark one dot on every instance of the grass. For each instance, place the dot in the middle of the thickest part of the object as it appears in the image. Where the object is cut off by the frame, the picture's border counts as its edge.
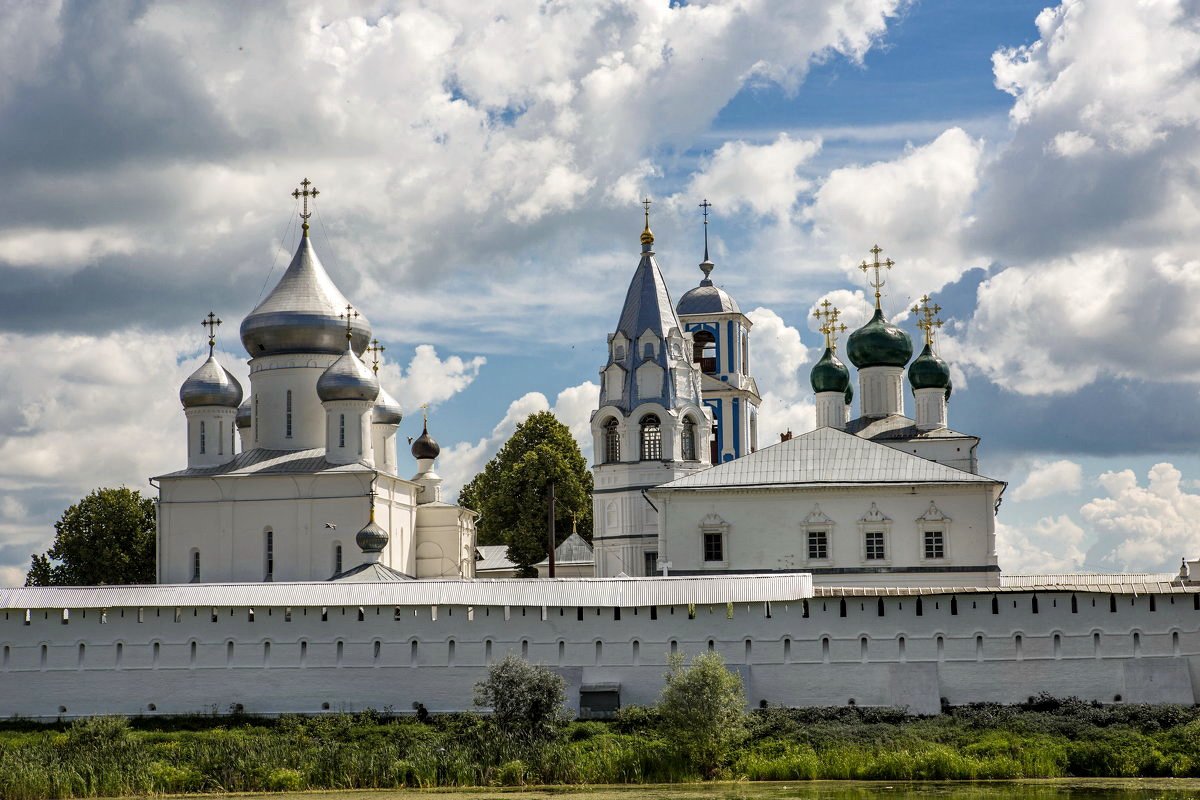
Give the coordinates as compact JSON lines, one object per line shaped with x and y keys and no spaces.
{"x":1046,"y":738}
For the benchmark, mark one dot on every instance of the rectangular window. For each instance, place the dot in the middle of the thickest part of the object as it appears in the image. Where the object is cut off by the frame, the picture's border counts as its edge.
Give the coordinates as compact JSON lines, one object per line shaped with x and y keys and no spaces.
{"x":818,"y":545}
{"x":714,"y":547}
{"x":875,"y":546}
{"x":195,"y":565}
{"x":270,"y":555}
{"x":220,"y":437}
{"x":935,"y":544}
{"x":337,"y":559}
{"x":651,"y":562}
{"x":288,"y":420}
{"x":201,"y":437}
{"x":341,"y":430}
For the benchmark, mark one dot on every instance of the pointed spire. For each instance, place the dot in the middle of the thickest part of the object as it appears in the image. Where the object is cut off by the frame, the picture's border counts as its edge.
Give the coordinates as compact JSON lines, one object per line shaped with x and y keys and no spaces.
{"x":706,"y":266}
{"x":647,"y":235}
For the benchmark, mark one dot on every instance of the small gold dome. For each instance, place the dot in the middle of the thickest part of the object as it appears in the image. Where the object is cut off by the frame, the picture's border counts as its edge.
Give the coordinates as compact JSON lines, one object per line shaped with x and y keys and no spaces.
{"x":647,"y":236}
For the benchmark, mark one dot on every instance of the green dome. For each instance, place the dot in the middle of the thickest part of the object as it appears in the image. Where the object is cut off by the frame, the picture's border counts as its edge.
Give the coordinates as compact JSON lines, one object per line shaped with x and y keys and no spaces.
{"x":829,"y":374}
{"x":849,"y":393}
{"x":879,"y":343}
{"x":929,"y":372}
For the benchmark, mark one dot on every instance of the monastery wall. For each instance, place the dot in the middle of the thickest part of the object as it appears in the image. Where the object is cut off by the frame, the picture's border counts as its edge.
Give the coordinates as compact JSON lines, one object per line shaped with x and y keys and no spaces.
{"x":896,"y":650}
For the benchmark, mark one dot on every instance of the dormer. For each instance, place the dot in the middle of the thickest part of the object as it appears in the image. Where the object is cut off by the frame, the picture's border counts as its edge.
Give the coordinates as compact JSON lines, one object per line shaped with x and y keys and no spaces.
{"x":648,"y":345}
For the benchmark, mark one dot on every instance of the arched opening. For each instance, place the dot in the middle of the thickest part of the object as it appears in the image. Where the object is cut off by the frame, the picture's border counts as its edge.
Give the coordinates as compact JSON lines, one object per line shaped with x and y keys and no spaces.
{"x":612,"y":442}
{"x":651,"y":438}
{"x":202,"y":437}
{"x":704,"y":351}
{"x":688,"y":439}
{"x":195,"y":565}
{"x":268,"y":554}
{"x":337,"y":558}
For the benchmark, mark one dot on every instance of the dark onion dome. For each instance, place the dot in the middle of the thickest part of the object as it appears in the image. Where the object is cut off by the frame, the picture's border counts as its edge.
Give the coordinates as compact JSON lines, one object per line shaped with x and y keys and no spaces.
{"x":927,"y":371}
{"x":242,"y":420}
{"x":372,"y":538}
{"x":425,"y":446}
{"x":706,"y":298}
{"x":387,"y":409}
{"x":302,"y":313}
{"x":879,"y":343}
{"x":849,"y":393}
{"x":348,"y":378}
{"x":211,"y":385}
{"x":829,"y":374}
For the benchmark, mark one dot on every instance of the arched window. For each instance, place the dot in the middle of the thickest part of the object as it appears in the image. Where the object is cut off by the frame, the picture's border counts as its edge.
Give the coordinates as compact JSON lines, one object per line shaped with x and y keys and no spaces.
{"x":704,"y":351}
{"x":256,"y":418}
{"x":269,"y":554}
{"x":651,"y":438}
{"x":341,"y":430}
{"x":688,"y":439}
{"x":220,"y":437}
{"x":287,"y":423}
{"x":337,"y":559}
{"x":195,"y":565}
{"x":612,"y":442}
{"x":202,"y":437}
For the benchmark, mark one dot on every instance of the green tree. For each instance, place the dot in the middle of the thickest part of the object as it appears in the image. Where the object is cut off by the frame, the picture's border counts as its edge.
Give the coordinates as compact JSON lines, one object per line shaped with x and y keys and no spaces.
{"x":105,"y":538}
{"x":703,"y":710}
{"x":513,"y":490}
{"x":527,"y":700}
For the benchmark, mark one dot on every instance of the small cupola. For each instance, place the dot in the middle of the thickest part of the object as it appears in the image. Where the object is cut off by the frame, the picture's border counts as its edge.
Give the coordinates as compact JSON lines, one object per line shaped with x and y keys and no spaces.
{"x":880,"y":350}
{"x":928,"y":374}
{"x":829,"y":377}
{"x":372,"y":539}
{"x":210,"y":398}
{"x":348,"y":390}
{"x":426,"y":450}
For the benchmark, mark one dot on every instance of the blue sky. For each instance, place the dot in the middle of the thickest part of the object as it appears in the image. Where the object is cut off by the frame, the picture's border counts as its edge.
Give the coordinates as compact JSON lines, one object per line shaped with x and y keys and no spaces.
{"x":480,"y":167}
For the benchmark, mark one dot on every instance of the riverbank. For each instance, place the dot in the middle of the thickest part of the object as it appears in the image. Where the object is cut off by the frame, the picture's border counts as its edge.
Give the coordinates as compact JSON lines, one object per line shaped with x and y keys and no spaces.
{"x":1044,"y":739}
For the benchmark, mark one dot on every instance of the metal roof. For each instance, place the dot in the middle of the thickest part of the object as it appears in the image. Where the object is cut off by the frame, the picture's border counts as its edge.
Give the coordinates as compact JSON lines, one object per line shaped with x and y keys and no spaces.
{"x":826,"y":456}
{"x":707,"y":300}
{"x":1136,"y":588}
{"x":897,"y":427}
{"x":493,"y":556}
{"x":592,"y":592}
{"x":272,"y":462}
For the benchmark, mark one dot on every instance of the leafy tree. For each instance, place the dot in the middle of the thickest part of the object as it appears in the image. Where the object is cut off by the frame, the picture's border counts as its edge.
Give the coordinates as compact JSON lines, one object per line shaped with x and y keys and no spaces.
{"x":105,"y":538}
{"x":703,"y":710}
{"x":527,"y":700}
{"x":513,"y":490}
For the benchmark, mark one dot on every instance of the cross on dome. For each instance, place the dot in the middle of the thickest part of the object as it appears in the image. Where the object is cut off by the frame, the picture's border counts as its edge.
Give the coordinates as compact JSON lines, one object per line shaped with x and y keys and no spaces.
{"x":879,"y":281}
{"x":212,"y":322}
{"x":706,"y":206}
{"x":375,"y":349}
{"x":306,"y":193}
{"x":647,"y":236}
{"x":827,"y":319}
{"x":928,"y":322}
{"x":349,"y":316}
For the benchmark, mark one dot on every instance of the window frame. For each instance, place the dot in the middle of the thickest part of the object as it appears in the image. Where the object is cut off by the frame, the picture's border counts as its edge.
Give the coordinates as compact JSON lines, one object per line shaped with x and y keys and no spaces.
{"x":612,"y":441}
{"x":268,"y":554}
{"x":875,"y":522}
{"x":817,"y":521}
{"x":650,"y":448}
{"x":933,"y":521}
{"x":688,"y":447}
{"x":713,"y":525}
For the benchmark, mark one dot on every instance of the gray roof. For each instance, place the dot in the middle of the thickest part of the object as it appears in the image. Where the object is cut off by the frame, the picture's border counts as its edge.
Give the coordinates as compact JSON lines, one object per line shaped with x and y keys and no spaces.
{"x":823,"y":457}
{"x":897,"y":427}
{"x":272,"y":462}
{"x":604,"y":592}
{"x":1118,"y":586}
{"x":707,"y":299}
{"x":371,"y":572}
{"x":573,"y":550}
{"x":648,"y":304}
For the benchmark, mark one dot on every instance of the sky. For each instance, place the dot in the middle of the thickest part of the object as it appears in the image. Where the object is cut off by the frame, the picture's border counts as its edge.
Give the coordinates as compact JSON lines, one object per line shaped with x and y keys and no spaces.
{"x":1035,"y":170}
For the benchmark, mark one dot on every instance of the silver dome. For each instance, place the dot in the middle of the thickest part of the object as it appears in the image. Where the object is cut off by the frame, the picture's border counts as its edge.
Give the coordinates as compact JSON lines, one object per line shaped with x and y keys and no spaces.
{"x":372,"y":538}
{"x":706,"y":298}
{"x":348,"y":378}
{"x":301,"y":314}
{"x":387,"y":409}
{"x":211,"y":385}
{"x":242,"y":420}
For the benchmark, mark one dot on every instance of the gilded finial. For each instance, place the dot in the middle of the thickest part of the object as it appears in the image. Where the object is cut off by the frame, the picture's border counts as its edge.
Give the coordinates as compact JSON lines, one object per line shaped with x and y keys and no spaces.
{"x":212,"y":322}
{"x":827,"y":318}
{"x":349,"y":316}
{"x":647,"y":236}
{"x":928,"y":322}
{"x":879,"y":281}
{"x":306,"y":193}
{"x":375,"y":349}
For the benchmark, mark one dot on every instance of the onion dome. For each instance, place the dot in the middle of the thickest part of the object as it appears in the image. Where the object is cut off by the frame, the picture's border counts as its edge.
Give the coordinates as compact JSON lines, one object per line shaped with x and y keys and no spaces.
{"x":706,"y":298}
{"x":348,"y":378}
{"x":211,"y":385}
{"x":372,"y":538}
{"x":849,"y":393}
{"x":879,"y":343}
{"x":242,"y":420}
{"x":928,"y":371}
{"x":425,"y":446}
{"x":387,"y":409}
{"x":304,"y":313}
{"x":829,"y":374}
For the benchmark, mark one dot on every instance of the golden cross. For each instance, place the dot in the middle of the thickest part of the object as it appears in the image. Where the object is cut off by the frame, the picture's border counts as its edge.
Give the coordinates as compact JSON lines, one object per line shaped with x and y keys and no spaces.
{"x":647,"y":236}
{"x":827,"y":318}
{"x":212,"y":322}
{"x":349,"y":316}
{"x":928,"y":322}
{"x":306,"y":193}
{"x":375,"y":349}
{"x":879,"y":281}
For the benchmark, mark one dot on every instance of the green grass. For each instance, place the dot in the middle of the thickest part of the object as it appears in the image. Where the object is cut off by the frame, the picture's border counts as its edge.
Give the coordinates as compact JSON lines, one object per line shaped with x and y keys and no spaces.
{"x":106,"y":757}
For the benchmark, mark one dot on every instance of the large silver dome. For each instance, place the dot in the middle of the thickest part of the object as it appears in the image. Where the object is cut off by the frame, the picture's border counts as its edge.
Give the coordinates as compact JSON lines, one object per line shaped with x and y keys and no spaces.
{"x":302,"y":313}
{"x":211,"y":385}
{"x":387,"y":409}
{"x":348,"y":378}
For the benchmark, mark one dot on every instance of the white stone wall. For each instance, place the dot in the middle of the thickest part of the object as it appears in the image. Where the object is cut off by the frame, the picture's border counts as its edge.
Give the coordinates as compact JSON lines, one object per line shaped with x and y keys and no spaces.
{"x":876,"y":651}
{"x":271,"y":377}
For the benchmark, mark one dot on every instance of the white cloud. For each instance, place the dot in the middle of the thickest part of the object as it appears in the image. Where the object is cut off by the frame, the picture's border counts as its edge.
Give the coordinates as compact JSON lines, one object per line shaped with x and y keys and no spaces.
{"x":1143,"y":527}
{"x":431,"y":379}
{"x":1054,"y":544}
{"x":777,"y":361}
{"x":1050,"y":478}
{"x":762,"y":178}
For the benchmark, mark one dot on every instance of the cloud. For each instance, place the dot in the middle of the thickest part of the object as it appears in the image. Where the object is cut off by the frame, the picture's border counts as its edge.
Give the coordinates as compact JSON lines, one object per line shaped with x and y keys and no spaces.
{"x":761,"y":178}
{"x":1054,"y":544}
{"x":1143,"y":527}
{"x":1050,"y":478}
{"x":777,"y":361}
{"x":431,"y":379}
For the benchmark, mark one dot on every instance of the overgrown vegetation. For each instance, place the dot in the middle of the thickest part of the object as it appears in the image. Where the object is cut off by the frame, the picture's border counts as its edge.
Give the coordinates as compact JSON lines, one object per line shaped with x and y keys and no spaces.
{"x":1044,"y":738}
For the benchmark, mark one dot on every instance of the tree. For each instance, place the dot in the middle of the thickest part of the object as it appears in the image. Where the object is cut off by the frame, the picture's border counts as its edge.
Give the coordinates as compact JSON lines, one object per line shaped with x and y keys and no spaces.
{"x":513,"y":491}
{"x":105,"y":538}
{"x":703,"y":709}
{"x":527,"y":700}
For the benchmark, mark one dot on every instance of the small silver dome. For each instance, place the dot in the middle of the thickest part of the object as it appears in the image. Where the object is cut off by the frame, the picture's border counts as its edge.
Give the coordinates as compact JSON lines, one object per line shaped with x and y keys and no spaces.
{"x":302,"y":313}
{"x":242,"y":420}
{"x":348,"y":378}
{"x":211,"y":385}
{"x":387,"y":409}
{"x":372,"y":538}
{"x":706,"y":298}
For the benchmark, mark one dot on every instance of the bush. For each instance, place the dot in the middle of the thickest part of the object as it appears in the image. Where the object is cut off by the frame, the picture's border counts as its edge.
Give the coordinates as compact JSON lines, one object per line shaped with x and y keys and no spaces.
{"x":527,"y":700}
{"x":703,"y":710}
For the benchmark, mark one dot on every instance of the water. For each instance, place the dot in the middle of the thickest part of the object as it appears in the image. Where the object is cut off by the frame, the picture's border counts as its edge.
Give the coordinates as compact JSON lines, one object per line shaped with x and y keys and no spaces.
{"x":1093,"y":789}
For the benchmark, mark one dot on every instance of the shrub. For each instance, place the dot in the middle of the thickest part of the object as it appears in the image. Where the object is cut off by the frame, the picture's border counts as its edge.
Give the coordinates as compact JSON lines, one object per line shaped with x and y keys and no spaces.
{"x":527,"y":700}
{"x":703,"y":710}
